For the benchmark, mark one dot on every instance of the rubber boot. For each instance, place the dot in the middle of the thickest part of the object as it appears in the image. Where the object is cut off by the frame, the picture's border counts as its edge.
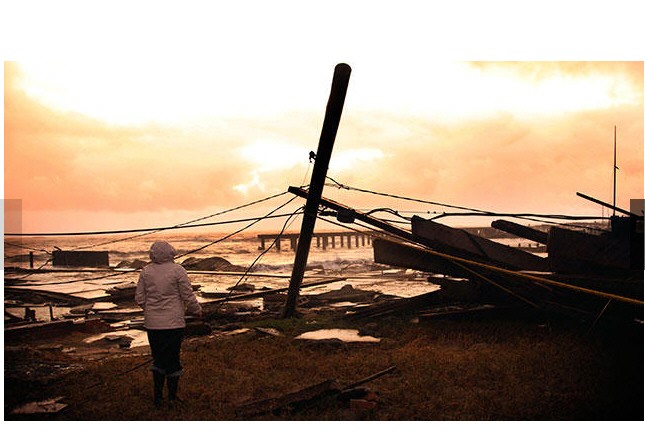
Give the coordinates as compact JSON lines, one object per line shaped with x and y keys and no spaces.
{"x":173,"y":385}
{"x":158,"y":380}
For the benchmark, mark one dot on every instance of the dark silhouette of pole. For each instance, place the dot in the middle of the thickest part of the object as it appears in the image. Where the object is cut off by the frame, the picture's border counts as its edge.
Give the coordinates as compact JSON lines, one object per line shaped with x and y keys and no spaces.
{"x":615,"y":168}
{"x":322,"y":157}
{"x":602,"y":203}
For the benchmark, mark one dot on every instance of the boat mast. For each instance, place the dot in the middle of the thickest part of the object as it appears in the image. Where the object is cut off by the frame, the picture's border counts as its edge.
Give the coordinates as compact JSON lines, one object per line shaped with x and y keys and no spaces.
{"x":615,"y":168}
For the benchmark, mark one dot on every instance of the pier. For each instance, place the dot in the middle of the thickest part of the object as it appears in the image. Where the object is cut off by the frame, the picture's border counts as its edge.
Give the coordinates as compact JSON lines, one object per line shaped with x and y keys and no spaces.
{"x":325,"y":240}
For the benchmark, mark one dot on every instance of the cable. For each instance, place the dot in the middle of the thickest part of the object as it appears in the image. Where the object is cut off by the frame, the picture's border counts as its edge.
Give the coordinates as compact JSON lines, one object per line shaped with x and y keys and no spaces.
{"x":478,"y":211}
{"x":256,"y":220}
{"x":244,"y":276}
{"x":27,"y":248}
{"x":143,"y":230}
{"x":154,"y":229}
{"x":286,"y":225}
{"x":80,"y":280}
{"x":33,"y":272}
{"x":351,"y":188}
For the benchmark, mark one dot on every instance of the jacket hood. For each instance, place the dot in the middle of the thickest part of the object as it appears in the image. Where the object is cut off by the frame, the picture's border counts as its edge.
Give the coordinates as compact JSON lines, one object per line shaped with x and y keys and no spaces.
{"x":161,"y":252}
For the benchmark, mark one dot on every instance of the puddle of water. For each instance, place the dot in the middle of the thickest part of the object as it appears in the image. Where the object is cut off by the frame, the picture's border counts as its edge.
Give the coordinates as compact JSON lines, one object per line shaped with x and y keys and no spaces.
{"x":345,"y":335}
{"x":139,"y":338}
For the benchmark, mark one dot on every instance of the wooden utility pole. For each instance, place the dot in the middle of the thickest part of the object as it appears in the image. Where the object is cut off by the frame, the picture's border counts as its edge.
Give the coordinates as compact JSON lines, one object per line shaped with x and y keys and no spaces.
{"x":323,"y":155}
{"x":615,"y":168}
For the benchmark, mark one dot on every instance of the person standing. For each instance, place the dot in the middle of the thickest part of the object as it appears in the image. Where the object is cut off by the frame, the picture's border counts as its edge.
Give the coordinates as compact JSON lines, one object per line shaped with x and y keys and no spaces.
{"x":165,"y":294}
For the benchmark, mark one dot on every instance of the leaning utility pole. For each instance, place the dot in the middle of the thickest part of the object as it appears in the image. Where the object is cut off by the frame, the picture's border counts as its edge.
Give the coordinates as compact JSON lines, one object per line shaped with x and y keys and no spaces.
{"x":615,"y":168}
{"x":323,"y":155}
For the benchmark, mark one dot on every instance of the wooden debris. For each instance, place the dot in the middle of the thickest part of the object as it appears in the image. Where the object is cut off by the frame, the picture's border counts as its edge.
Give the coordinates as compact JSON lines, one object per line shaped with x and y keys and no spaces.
{"x":370,"y":378}
{"x":305,"y":396}
{"x":267,"y":331}
{"x":41,"y":296}
{"x":51,"y":328}
{"x":290,"y":400}
{"x":254,"y":295}
{"x":525,"y":232}
{"x":413,"y":304}
{"x":346,"y":293}
{"x":460,"y":243}
{"x":38,"y":407}
{"x":576,"y":252}
{"x":460,"y":311}
{"x":408,"y":256}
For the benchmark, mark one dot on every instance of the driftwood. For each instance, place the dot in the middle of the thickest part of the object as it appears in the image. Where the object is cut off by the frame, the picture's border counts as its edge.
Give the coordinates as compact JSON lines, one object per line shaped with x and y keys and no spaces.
{"x":303,"y":397}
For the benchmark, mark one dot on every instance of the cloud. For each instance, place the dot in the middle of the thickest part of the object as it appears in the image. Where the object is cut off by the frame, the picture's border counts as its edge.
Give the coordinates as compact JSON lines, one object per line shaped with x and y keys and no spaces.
{"x":56,"y":160}
{"x":60,"y":161}
{"x":504,"y":164}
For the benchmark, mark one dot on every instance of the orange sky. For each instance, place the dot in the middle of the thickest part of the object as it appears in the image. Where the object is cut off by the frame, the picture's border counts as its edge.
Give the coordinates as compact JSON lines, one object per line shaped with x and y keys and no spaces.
{"x":99,"y":144}
{"x":163,"y":115}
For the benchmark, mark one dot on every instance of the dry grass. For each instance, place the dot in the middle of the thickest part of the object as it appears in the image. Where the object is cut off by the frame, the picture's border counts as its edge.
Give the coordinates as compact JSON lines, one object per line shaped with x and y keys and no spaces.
{"x":500,"y":369}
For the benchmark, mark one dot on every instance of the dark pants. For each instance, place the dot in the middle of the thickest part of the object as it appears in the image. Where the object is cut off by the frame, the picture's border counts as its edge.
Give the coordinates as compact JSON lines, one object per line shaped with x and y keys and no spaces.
{"x":165,"y":346}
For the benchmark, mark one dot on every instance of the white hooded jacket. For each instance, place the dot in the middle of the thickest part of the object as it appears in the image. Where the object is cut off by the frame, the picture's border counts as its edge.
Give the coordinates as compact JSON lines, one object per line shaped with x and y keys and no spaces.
{"x":164,"y":290}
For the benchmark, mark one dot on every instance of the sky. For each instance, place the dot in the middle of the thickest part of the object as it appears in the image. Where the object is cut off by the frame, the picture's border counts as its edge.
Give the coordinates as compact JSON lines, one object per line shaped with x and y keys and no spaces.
{"x":204,"y":112}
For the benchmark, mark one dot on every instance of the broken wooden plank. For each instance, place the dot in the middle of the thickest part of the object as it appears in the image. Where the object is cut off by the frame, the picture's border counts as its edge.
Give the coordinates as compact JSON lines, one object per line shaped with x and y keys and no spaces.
{"x":305,"y":396}
{"x":405,"y":255}
{"x":42,"y":329}
{"x":370,"y":378}
{"x":521,"y":231}
{"x":400,"y":306}
{"x":572,"y":251}
{"x":397,"y":254}
{"x":254,"y":295}
{"x":293,"y":399}
{"x":458,"y":242}
{"x":57,"y":297}
{"x":460,"y":312}
{"x":50,"y":406}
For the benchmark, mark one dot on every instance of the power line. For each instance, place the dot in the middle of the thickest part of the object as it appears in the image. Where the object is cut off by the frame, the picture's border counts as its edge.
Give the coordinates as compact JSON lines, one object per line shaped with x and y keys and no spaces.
{"x":187,"y":224}
{"x":471,"y":211}
{"x":400,"y":197}
{"x":107,"y":232}
{"x":27,"y":248}
{"x":244,"y":276}
{"x":255,"y":221}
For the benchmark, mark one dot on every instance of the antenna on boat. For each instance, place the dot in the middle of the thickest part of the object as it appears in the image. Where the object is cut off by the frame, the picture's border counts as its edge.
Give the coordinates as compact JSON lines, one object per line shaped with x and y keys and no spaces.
{"x":615,"y":168}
